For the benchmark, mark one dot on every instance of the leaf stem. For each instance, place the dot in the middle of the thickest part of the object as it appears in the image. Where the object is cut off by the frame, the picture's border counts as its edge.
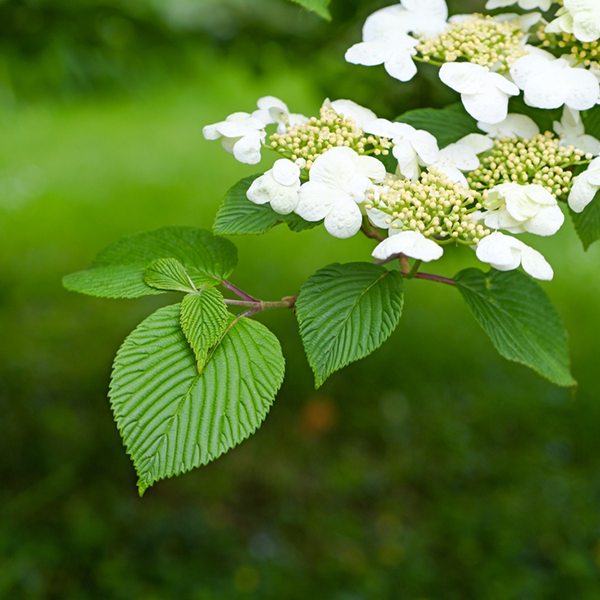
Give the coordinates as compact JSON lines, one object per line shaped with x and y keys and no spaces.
{"x":437,"y":278}
{"x":239,"y":293}
{"x":414,"y":271}
{"x":257,"y":306}
{"x":371,"y":232}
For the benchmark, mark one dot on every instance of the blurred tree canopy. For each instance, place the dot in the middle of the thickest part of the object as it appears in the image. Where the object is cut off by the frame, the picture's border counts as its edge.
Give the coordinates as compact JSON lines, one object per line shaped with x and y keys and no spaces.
{"x":63,"y":48}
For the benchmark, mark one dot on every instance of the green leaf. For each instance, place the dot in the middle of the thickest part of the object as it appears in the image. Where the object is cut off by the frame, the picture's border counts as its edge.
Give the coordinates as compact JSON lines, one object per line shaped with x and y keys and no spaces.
{"x":173,"y":419}
{"x":447,"y":125}
{"x":168,"y":274}
{"x":520,"y":319}
{"x":345,"y":312}
{"x":317,"y":6}
{"x":203,"y":320}
{"x":297,"y":224}
{"x":118,"y":271}
{"x":239,"y":216}
{"x":587,"y":222}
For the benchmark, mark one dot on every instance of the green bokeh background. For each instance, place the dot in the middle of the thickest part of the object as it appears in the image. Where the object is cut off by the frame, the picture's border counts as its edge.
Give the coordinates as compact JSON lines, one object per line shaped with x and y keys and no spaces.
{"x":433,"y":470}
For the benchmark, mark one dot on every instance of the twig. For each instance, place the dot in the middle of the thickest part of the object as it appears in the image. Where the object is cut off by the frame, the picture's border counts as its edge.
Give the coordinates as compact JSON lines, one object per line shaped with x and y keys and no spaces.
{"x":236,"y":290}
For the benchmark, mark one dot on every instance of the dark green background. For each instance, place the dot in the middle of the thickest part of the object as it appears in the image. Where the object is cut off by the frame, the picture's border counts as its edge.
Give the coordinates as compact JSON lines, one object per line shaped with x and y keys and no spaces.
{"x":432,"y":470}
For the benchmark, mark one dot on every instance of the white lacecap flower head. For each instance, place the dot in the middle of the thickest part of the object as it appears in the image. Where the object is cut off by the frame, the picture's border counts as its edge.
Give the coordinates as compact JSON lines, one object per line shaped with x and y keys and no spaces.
{"x":279,"y":187}
{"x":338,"y":182}
{"x":483,"y":93}
{"x":523,"y":209}
{"x":572,"y":132}
{"x":410,"y":243}
{"x":411,"y":147}
{"x":506,"y":253}
{"x":273,"y":110}
{"x":579,"y":17}
{"x":585,"y":187}
{"x":514,"y":126}
{"x":549,"y":82}
{"x":242,"y":135}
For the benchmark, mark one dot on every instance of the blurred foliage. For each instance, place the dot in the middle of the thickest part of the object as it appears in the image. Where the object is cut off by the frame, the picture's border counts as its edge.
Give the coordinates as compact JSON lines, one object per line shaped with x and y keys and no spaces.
{"x":433,"y":470}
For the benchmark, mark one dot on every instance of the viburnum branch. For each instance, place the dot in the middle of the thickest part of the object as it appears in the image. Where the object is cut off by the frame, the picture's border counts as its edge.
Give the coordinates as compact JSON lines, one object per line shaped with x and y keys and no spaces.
{"x":257,"y":306}
{"x":239,"y":293}
{"x":371,"y":232}
{"x":437,"y":278}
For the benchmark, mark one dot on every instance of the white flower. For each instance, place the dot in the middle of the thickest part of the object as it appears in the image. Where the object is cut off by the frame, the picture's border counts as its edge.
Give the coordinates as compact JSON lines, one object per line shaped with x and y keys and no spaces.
{"x":419,"y":16}
{"x":393,"y":49}
{"x":273,"y":110}
{"x":409,"y":243}
{"x":483,"y":93}
{"x":506,"y":253}
{"x":410,"y":145}
{"x":242,"y":135}
{"x":462,"y":156}
{"x":359,"y":114}
{"x":523,"y":209}
{"x":278,"y":186}
{"x":572,"y":132}
{"x":579,"y":17}
{"x":515,"y":125}
{"x":524,"y":4}
{"x":585,"y":187}
{"x":338,"y":182}
{"x":549,"y":82}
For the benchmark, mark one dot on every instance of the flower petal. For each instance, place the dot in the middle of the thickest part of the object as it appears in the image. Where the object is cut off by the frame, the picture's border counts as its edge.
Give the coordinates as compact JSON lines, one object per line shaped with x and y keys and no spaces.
{"x":489,"y":105}
{"x":317,"y":199}
{"x":285,"y":172}
{"x":582,"y":193}
{"x":344,"y":220}
{"x":535,"y":264}
{"x":464,"y":78}
{"x":368,"y":54}
{"x":547,"y":221}
{"x":247,"y":150}
{"x":401,"y":66}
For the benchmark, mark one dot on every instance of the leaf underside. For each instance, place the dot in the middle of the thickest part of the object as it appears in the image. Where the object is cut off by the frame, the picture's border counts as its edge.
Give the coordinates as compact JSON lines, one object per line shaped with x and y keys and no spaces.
{"x":172,"y":418}
{"x":521,"y":321}
{"x":118,"y":271}
{"x":345,"y":312}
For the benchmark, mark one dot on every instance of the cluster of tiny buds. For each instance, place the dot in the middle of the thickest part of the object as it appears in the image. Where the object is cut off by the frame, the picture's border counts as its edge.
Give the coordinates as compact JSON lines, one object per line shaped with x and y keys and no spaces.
{"x":543,"y":160}
{"x":434,"y":206}
{"x":307,"y":141}
{"x":482,"y":40}
{"x":586,"y":53}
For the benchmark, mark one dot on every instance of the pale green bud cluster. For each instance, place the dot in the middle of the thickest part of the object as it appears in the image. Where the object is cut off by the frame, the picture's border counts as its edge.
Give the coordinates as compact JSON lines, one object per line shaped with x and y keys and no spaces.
{"x":481,"y":40}
{"x":434,"y":206}
{"x":586,"y":53}
{"x":310,"y":140}
{"x":543,"y":160}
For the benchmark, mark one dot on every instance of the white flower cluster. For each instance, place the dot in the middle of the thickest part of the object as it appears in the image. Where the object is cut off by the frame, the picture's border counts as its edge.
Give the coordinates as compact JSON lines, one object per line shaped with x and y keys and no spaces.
{"x":487,"y":60}
{"x":510,"y":179}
